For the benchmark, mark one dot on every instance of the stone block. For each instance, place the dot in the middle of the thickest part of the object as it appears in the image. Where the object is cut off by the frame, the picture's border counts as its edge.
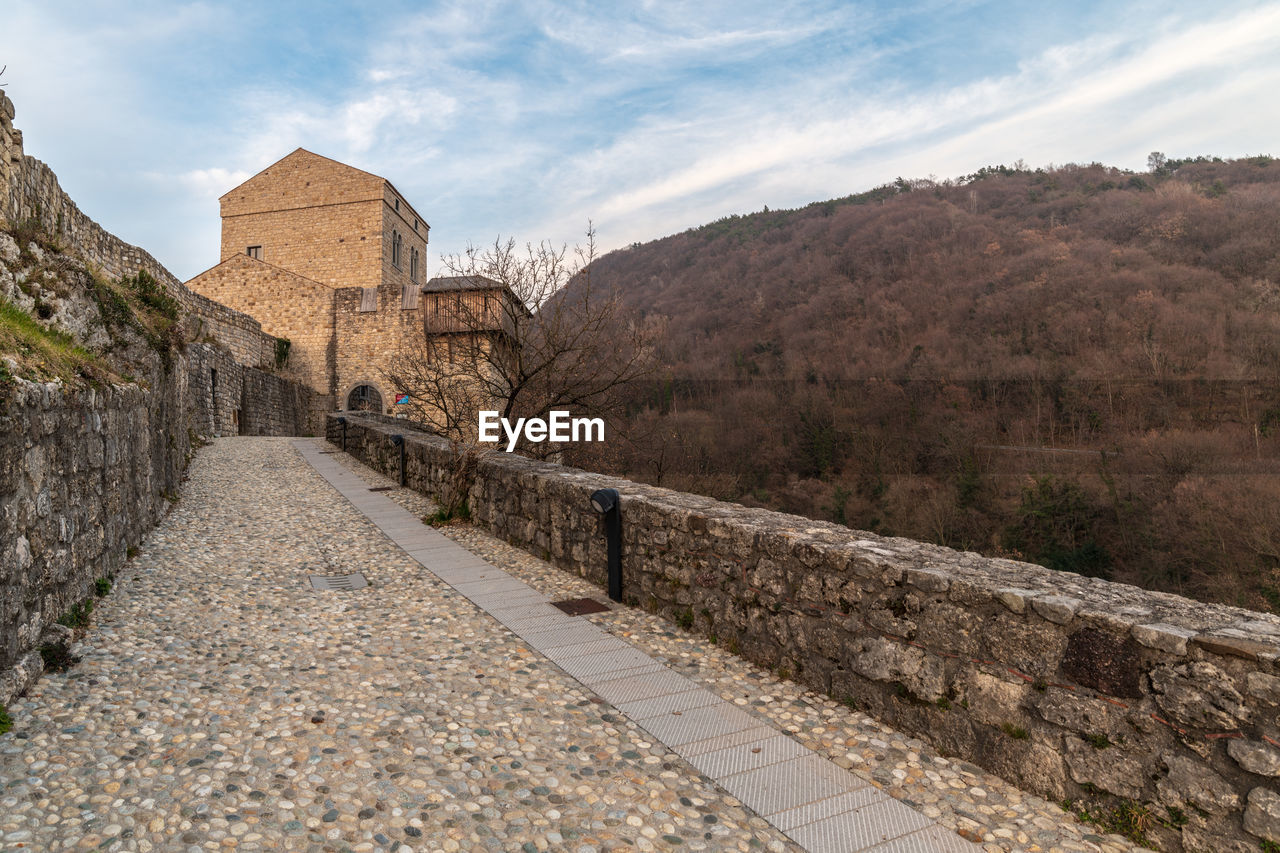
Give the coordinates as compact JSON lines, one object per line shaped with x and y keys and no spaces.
{"x":993,"y":700}
{"x":1079,"y":713}
{"x":1059,"y":609}
{"x":1236,"y":644}
{"x":1262,"y":814}
{"x":1104,"y":662}
{"x":1255,"y":756}
{"x":1199,"y":695}
{"x":1189,"y":782}
{"x":1166,"y":638}
{"x":1109,"y":769}
{"x":1261,"y":685}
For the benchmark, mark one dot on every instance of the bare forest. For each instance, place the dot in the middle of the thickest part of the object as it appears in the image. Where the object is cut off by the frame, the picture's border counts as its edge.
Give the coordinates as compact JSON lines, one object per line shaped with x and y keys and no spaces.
{"x":1077,"y":366}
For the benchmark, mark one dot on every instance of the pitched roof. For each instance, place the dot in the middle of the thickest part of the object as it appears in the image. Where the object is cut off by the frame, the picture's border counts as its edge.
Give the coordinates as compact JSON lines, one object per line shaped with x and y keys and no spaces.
{"x":439,"y":284}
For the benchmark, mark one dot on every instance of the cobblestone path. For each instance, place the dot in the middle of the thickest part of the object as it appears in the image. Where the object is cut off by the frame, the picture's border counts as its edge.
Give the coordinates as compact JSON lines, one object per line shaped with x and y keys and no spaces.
{"x":221,"y":702}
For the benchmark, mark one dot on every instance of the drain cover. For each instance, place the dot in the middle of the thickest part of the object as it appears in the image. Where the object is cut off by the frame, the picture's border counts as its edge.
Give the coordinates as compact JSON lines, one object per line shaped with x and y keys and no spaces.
{"x":580,"y":606}
{"x":341,"y":583}
{"x":382,"y":489}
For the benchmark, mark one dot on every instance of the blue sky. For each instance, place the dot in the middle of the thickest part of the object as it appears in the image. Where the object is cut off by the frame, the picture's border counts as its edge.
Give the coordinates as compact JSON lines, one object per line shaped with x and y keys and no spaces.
{"x":526,"y":119}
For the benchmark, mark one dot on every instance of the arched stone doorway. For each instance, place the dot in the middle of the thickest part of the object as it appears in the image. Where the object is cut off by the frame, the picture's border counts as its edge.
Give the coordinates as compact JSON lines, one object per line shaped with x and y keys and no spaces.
{"x":364,"y":398}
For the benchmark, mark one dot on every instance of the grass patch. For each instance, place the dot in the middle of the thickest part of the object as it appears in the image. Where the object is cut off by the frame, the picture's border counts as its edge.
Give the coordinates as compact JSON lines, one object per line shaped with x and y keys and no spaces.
{"x":1129,"y":819}
{"x":43,"y":353}
{"x":685,"y":618}
{"x":102,"y":586}
{"x":443,"y":518}
{"x":142,"y":304}
{"x":1098,"y":741}
{"x":6,"y":722}
{"x":1015,"y":732}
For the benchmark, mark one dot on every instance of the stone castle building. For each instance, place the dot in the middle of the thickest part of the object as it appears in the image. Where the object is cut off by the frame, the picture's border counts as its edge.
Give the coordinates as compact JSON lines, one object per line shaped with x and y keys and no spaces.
{"x":332,"y":258}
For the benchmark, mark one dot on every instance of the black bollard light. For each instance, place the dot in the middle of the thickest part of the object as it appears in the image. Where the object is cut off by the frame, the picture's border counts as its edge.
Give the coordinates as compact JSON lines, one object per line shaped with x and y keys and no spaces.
{"x":608,"y":504}
{"x":398,"y":441}
{"x":343,"y":423}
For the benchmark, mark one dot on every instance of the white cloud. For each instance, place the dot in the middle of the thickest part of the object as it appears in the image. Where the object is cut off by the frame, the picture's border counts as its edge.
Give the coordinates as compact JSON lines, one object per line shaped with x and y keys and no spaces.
{"x":528,"y":118}
{"x":212,"y":183}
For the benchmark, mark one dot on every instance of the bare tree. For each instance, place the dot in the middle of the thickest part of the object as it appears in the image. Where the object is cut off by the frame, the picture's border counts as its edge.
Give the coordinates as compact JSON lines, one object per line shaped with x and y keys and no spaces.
{"x":520,"y":332}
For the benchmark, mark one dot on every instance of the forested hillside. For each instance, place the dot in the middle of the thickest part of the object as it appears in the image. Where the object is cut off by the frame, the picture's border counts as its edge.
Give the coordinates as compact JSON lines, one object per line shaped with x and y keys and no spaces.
{"x":1077,"y":366}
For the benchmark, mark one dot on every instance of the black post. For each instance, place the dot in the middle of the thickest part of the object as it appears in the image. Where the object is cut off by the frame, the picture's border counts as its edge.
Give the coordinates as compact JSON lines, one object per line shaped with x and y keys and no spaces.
{"x":398,"y":441}
{"x":608,"y":503}
{"x":343,"y":421}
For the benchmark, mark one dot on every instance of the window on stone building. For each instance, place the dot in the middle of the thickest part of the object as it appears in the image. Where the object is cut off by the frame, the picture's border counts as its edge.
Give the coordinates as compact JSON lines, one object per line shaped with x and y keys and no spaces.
{"x":368,"y":299}
{"x":413,"y":264}
{"x":254,"y":252}
{"x":396,"y":244}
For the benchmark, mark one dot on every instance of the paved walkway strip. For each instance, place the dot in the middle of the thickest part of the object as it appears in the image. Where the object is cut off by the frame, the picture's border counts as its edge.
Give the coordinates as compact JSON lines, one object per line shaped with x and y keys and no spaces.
{"x":819,"y":805}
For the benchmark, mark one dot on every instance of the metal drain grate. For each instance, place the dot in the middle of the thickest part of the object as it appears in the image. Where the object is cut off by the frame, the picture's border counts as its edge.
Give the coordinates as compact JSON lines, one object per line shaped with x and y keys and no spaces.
{"x":382,"y":489}
{"x":340,"y":583}
{"x":580,"y":606}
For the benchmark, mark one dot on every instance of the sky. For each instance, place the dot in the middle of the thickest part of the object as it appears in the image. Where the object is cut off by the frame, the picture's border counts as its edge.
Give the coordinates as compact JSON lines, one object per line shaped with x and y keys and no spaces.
{"x":529,"y":119}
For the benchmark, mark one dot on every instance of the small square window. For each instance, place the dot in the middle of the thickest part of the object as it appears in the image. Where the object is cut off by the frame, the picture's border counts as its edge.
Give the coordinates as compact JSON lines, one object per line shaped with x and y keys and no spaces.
{"x":254,"y":252}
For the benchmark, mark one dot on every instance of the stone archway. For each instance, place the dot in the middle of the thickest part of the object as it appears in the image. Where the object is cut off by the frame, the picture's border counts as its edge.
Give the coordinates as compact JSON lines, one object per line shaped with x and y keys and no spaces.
{"x":364,"y":398}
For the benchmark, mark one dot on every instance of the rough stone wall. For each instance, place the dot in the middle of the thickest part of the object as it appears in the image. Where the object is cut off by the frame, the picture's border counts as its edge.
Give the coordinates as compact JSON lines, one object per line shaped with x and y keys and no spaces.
{"x":1068,"y":686}
{"x":10,"y":146}
{"x":288,"y":306}
{"x":84,"y":475}
{"x":271,"y":405}
{"x":369,"y":341}
{"x":311,"y":215}
{"x":238,"y":333}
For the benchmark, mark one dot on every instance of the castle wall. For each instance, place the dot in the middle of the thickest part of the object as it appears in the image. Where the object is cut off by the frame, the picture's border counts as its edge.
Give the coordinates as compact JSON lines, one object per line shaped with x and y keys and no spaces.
{"x":287,"y":306}
{"x":1070,"y":687}
{"x":371,"y":340}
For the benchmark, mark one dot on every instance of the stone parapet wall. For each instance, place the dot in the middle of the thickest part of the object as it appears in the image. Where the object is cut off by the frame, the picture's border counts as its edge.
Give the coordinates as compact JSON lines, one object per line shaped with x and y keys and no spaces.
{"x":1071,"y":687}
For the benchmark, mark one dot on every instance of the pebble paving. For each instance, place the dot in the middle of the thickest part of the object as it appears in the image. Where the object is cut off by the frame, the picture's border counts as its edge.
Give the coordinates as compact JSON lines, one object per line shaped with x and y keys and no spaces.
{"x":221,"y":702}
{"x":958,"y":795}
